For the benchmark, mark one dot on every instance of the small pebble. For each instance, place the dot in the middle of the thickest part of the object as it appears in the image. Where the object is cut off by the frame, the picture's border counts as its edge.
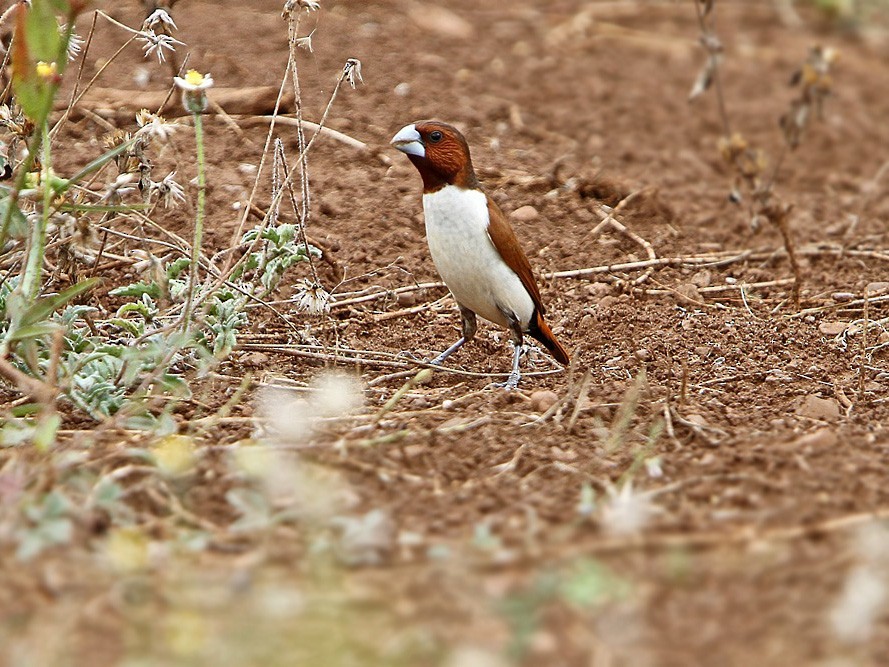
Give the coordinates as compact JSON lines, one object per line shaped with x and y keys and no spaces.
{"x":690,"y":292}
{"x":815,"y":407}
{"x":832,"y":328}
{"x":525,"y":214}
{"x":542,"y":400}
{"x":702,"y":278}
{"x":698,"y":420}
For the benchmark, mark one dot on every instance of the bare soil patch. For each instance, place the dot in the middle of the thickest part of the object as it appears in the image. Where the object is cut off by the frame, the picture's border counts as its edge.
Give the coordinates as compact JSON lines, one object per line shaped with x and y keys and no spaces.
{"x":710,"y":484}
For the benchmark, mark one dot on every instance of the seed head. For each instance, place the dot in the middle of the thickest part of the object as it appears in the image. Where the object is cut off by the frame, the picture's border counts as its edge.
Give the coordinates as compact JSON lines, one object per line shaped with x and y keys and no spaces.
{"x":153,"y":42}
{"x":157,"y":127}
{"x":312,"y":298}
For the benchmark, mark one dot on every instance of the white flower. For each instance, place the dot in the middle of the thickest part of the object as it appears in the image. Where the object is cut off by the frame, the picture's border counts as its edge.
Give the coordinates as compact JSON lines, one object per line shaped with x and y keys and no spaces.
{"x":194,"y":86}
{"x":194,"y":81}
{"x":352,"y":70}
{"x":160,"y":17}
{"x":155,"y":126}
{"x":169,"y":190}
{"x":312,"y":298}
{"x":156,"y":43}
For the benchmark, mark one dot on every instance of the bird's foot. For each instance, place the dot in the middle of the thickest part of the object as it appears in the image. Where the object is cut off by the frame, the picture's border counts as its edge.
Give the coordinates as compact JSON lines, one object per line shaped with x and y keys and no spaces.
{"x":511,"y":383}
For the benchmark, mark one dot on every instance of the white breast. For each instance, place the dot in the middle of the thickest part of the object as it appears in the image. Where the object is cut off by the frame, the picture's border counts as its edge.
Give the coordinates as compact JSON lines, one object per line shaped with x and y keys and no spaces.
{"x":466,"y":259}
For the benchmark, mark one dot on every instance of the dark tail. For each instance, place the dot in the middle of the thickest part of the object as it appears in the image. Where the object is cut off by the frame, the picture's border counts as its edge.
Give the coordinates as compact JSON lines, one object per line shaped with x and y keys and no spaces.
{"x":540,"y":331}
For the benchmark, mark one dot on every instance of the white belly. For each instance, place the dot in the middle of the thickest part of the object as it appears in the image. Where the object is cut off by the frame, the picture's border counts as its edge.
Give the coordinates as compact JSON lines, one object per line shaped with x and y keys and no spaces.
{"x":466,"y":259}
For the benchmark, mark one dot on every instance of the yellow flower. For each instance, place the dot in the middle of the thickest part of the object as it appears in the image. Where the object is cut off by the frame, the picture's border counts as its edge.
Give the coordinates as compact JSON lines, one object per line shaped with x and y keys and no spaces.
{"x":194,"y":77}
{"x":47,"y":71}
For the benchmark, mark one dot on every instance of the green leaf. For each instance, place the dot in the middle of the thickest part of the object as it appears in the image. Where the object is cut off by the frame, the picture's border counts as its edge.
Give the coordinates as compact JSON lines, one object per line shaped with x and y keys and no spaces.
{"x":135,"y":329}
{"x":36,"y":330}
{"x":18,"y":226}
{"x":177,"y":266}
{"x":101,"y":161}
{"x":31,"y":96}
{"x":135,"y":307}
{"x":42,"y":32}
{"x":47,"y":305}
{"x":27,"y":409}
{"x":137,"y":290}
{"x":45,"y":433}
{"x":175,"y":385}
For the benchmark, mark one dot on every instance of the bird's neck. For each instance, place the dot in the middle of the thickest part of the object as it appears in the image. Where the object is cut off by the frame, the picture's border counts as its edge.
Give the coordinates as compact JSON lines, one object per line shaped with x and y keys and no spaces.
{"x":435,"y":179}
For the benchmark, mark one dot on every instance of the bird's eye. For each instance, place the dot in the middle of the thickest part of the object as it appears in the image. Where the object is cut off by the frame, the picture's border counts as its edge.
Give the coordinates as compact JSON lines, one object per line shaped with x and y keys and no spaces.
{"x":435,"y":136}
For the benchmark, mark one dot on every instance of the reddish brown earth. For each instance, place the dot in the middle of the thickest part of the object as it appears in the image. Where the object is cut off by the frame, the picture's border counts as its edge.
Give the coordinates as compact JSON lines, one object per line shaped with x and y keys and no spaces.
{"x":767,"y":423}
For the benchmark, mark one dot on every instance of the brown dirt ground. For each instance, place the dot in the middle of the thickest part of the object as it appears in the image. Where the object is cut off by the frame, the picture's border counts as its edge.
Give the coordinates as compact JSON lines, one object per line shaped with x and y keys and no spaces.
{"x":566,"y":105}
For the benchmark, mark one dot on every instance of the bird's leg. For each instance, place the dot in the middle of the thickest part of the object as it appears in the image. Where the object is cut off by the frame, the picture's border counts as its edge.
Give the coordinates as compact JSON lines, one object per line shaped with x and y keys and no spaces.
{"x":470,"y":326}
{"x":515,"y":334}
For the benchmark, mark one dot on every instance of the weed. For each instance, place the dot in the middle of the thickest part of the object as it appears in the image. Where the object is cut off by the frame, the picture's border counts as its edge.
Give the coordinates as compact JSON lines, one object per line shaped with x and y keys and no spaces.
{"x":750,"y":164}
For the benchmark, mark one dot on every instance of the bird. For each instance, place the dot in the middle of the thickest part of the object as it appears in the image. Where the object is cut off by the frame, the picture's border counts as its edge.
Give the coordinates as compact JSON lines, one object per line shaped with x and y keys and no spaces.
{"x":472,"y":244}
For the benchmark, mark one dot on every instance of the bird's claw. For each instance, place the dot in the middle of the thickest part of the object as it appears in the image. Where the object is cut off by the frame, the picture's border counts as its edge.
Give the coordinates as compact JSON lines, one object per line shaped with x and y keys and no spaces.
{"x":511,"y":384}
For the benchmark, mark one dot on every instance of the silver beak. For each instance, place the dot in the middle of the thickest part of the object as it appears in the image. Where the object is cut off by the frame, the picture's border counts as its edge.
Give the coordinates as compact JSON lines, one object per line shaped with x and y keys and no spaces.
{"x":409,"y":141}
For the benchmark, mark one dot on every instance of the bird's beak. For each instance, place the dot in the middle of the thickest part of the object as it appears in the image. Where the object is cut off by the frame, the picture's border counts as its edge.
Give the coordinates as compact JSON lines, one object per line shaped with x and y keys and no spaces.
{"x":409,"y":141}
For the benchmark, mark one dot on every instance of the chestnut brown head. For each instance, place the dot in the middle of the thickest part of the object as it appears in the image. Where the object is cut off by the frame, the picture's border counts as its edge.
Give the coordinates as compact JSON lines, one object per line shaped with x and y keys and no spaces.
{"x":439,"y":152}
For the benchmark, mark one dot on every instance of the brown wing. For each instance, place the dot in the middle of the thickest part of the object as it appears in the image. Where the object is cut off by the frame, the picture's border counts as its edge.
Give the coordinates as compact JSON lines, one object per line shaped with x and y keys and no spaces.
{"x":504,"y":239}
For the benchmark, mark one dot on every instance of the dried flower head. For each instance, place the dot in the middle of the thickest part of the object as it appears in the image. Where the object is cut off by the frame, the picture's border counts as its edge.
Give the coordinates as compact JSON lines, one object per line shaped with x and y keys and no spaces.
{"x":312,"y":298}
{"x":709,"y":71}
{"x":121,"y":186}
{"x":352,"y":71}
{"x":749,"y":162}
{"x":15,"y":121}
{"x":159,"y":18}
{"x":305,"y":42}
{"x":194,"y":86}
{"x":153,"y":42}
{"x":115,"y":138}
{"x":817,"y":84}
{"x":157,"y":127}
{"x":169,"y":190}
{"x":291,"y":5}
